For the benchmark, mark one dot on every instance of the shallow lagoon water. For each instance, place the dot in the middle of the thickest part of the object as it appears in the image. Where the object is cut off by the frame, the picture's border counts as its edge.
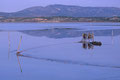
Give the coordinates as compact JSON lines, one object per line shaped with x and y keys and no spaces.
{"x":49,"y":51}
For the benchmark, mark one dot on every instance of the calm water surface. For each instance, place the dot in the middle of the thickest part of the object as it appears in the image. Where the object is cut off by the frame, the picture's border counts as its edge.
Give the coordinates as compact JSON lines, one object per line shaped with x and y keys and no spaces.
{"x":50,"y":51}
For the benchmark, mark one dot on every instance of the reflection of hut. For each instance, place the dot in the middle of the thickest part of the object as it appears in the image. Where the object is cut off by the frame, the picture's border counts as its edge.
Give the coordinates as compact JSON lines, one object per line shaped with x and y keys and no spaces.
{"x":85,"y":45}
{"x":90,"y":46}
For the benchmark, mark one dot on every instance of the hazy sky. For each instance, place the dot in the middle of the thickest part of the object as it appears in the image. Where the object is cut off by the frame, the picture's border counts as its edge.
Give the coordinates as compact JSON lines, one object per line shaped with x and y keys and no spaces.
{"x":16,"y":5}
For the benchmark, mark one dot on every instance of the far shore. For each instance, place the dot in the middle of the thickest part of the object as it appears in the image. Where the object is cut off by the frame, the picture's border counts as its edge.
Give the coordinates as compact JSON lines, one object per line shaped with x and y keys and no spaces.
{"x":58,"y":19}
{"x":61,"y":22}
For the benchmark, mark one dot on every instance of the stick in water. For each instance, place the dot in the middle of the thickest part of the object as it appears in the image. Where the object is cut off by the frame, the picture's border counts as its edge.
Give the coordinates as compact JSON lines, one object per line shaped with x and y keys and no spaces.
{"x":8,"y":45}
{"x":19,"y":45}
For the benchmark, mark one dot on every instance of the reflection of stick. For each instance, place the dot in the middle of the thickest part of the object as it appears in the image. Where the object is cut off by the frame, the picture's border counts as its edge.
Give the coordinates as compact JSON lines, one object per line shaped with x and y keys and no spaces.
{"x":19,"y":45}
{"x":19,"y":63}
{"x":112,"y":37}
{"x":69,"y":62}
{"x":8,"y":45}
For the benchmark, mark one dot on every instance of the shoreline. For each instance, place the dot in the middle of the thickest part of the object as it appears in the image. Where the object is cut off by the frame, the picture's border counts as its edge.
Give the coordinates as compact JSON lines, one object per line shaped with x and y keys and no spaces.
{"x":59,"y":19}
{"x":63,"y":22}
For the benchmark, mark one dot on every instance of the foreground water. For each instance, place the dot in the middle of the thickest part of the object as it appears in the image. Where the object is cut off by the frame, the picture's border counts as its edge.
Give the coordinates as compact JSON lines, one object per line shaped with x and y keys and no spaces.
{"x":49,"y":51}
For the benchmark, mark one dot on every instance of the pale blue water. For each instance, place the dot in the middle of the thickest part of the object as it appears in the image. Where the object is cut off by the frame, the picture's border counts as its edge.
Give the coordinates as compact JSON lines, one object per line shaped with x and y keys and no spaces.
{"x":50,"y":51}
{"x":34,"y":26}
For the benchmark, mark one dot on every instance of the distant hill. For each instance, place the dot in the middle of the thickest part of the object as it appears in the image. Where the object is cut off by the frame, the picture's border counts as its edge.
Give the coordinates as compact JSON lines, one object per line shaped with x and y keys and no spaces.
{"x":65,"y":10}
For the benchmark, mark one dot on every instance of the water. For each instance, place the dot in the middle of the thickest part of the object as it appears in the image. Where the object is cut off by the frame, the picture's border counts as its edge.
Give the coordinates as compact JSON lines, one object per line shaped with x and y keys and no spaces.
{"x":50,"y":51}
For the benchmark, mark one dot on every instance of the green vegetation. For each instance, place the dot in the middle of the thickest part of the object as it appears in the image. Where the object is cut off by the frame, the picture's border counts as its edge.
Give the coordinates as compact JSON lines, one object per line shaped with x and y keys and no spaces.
{"x":60,"y":19}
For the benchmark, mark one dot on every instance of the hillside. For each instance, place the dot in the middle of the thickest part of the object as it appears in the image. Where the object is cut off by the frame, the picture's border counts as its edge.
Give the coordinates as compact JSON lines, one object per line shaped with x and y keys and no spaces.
{"x":65,"y":10}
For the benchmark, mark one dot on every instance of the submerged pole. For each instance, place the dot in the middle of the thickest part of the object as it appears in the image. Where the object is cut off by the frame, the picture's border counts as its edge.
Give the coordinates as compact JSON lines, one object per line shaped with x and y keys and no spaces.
{"x":112,"y":37}
{"x":8,"y":45}
{"x":19,"y":45}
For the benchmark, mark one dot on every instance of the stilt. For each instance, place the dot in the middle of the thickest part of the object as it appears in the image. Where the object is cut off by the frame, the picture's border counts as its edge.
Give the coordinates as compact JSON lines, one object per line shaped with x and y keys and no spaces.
{"x":19,"y":45}
{"x":112,"y":37}
{"x":8,"y":45}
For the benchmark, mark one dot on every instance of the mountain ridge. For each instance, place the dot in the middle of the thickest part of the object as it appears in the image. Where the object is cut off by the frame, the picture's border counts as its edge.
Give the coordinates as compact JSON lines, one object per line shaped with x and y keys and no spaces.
{"x":64,"y":10}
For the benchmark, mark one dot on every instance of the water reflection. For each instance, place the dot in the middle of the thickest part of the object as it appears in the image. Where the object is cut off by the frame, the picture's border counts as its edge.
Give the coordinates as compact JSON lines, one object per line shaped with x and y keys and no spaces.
{"x":63,"y":61}
{"x":90,"y":45}
{"x":88,"y":41}
{"x":85,"y":45}
{"x":69,"y":32}
{"x":19,"y":61}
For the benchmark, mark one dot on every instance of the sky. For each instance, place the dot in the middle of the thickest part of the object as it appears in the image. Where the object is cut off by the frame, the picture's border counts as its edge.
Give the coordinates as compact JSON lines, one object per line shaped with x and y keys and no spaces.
{"x":17,"y":5}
